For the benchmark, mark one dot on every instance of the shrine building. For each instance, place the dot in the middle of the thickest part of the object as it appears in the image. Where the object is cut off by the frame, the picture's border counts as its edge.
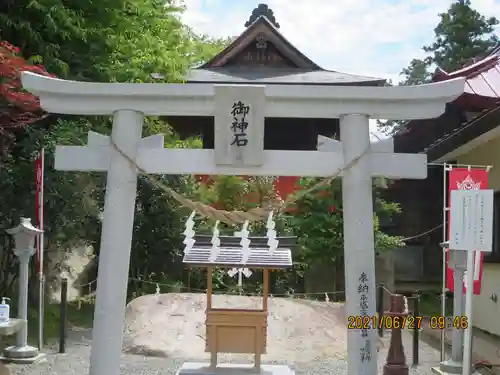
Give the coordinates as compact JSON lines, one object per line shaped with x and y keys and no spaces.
{"x":262,"y":55}
{"x":467,"y":134}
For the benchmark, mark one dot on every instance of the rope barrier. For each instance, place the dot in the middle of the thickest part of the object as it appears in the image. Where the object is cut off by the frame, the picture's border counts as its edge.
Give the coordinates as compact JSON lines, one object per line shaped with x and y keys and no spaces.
{"x":204,"y":290}
{"x":89,"y":284}
{"x":327,"y":295}
{"x":422,"y":234}
{"x":84,"y":285}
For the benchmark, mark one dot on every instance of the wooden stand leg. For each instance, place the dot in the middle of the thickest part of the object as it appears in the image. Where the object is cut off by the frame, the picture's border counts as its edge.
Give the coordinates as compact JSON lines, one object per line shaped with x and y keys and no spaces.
{"x":258,"y":350}
{"x":257,"y":363}
{"x":213,"y":361}
{"x":213,"y":351}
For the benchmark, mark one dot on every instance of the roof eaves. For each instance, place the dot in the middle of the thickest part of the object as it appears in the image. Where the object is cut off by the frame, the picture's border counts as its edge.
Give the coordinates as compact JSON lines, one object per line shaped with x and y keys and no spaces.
{"x":365,"y":78}
{"x":280,"y":35}
{"x":232,"y":45}
{"x":472,"y":70}
{"x":466,"y":127}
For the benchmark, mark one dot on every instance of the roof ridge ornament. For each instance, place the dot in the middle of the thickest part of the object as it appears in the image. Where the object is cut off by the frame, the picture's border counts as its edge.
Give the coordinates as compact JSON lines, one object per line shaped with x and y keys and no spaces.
{"x":262,"y":10}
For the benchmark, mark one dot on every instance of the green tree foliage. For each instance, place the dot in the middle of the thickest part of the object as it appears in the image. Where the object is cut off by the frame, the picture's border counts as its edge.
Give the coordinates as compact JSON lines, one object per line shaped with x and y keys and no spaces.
{"x":126,"y":41}
{"x":241,"y":193}
{"x":461,"y":36}
{"x":416,"y":73}
{"x":315,"y":218}
{"x":109,"y":40}
{"x":318,"y":223}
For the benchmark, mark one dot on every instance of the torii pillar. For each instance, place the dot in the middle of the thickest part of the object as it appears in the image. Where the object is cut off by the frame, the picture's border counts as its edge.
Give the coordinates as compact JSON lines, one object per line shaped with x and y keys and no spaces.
{"x":128,"y":103}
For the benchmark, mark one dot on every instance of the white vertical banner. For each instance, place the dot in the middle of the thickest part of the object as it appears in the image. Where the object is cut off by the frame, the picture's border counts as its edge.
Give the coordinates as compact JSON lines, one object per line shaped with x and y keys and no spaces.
{"x":471,"y":220}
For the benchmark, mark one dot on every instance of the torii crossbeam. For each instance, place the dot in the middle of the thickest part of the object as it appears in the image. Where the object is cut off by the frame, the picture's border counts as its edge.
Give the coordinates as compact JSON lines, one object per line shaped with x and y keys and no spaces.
{"x":130,"y":102}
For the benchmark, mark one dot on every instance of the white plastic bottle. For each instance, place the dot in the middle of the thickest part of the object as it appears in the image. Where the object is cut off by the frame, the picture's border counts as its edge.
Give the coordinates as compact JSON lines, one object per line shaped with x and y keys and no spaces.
{"x":4,"y":311}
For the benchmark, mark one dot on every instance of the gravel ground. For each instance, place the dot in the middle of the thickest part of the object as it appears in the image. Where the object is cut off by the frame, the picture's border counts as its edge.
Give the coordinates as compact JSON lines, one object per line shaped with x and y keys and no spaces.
{"x":173,"y":325}
{"x":296,"y":327}
{"x":76,"y":360}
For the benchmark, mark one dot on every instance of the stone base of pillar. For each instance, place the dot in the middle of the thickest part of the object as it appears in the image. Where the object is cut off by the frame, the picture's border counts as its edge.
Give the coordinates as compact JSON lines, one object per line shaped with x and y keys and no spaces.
{"x":20,"y":352}
{"x":22,"y":361}
{"x":190,"y":368}
{"x":450,"y":367}
{"x":438,"y":371}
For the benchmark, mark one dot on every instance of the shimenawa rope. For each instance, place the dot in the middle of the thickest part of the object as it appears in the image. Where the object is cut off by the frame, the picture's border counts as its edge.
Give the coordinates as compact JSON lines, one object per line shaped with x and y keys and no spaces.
{"x":236,"y":217}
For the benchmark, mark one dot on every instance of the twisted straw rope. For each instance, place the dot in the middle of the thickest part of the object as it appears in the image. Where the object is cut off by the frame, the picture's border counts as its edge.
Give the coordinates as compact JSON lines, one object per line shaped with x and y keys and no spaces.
{"x":236,"y":217}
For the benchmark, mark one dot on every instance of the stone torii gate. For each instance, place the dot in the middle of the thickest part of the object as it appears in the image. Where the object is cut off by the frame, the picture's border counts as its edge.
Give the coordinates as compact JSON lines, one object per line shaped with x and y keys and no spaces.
{"x":129,"y":103}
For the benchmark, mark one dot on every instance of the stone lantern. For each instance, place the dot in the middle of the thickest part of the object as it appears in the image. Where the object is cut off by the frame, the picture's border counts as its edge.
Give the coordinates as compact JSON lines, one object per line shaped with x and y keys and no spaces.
{"x":24,"y":238}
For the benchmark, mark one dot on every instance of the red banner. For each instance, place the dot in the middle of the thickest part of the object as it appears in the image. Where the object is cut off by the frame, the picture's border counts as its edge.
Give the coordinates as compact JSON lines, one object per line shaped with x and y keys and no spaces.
{"x":465,"y":179}
{"x":38,"y":204}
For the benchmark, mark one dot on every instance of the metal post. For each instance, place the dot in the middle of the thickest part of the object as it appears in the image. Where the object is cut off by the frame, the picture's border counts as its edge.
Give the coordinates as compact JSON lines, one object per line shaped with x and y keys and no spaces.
{"x":41,"y":308}
{"x":458,"y":260}
{"x":467,"y":359}
{"x":446,"y":168}
{"x":380,"y":309}
{"x":63,"y":310}
{"x":41,"y":276}
{"x":458,"y":310}
{"x":416,"y":328}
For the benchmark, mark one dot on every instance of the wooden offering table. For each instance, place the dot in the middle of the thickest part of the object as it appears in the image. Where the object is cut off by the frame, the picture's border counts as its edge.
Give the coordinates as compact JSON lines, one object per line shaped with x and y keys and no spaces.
{"x":238,"y":330}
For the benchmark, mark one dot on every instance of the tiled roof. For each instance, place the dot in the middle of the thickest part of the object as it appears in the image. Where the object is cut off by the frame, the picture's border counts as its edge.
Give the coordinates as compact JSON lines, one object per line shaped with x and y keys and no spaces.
{"x":482,"y":77}
{"x":217,"y":70}
{"x":242,"y":40}
{"x":232,"y":257}
{"x":482,"y":94}
{"x":266,"y":75}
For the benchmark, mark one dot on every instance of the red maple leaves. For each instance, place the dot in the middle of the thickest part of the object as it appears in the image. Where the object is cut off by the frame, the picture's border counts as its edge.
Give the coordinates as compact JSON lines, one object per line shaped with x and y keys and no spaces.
{"x":18,"y":108}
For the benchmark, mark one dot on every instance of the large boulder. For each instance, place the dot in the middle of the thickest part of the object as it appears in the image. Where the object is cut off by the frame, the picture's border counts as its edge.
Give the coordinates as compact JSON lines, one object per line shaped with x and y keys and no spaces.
{"x":72,"y":265}
{"x":173,"y":325}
